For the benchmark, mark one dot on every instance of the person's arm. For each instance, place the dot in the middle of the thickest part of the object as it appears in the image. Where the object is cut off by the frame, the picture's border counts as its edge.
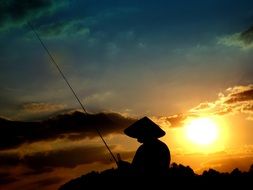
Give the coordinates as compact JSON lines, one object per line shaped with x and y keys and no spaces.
{"x":122,"y":164}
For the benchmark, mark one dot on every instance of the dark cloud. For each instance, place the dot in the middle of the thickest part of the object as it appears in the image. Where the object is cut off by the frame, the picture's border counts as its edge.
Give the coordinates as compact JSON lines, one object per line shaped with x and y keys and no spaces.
{"x":69,"y":158}
{"x":75,"y":125}
{"x":38,"y":171}
{"x":6,"y":178}
{"x":243,"y":39}
{"x":19,"y":11}
{"x":44,"y":162}
{"x":247,"y":36}
{"x":46,"y":182}
{"x":244,"y":95}
{"x":54,"y":19}
{"x":40,"y":107}
{"x":248,"y":107}
{"x":9,"y":159}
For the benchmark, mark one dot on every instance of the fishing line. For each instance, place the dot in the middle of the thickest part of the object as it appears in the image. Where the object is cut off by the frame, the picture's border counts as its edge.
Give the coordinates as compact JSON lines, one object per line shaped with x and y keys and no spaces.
{"x":52,"y":60}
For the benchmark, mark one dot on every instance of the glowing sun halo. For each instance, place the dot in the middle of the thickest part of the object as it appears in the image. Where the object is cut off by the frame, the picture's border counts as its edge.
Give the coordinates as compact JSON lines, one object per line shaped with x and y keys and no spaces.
{"x":202,"y":131}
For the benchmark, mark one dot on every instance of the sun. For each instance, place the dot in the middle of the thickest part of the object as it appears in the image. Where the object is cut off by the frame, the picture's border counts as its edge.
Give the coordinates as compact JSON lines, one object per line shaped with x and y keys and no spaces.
{"x":202,"y":131}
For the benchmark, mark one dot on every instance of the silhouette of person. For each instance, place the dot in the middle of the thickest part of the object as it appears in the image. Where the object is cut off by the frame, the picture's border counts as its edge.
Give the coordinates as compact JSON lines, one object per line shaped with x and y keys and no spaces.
{"x":153,"y":156}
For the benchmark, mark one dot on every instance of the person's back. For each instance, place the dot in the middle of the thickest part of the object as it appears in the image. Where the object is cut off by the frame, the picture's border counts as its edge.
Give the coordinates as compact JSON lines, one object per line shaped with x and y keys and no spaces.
{"x":152,"y":158}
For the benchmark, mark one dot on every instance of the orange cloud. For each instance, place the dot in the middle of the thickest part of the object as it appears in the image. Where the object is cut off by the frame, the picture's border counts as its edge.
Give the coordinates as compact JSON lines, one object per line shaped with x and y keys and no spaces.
{"x":171,"y":121}
{"x":40,"y":107}
{"x":238,"y":99}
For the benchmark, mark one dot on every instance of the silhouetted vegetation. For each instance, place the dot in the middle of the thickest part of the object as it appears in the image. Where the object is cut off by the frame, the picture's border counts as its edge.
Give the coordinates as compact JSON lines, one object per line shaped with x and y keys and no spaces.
{"x":177,"y":176}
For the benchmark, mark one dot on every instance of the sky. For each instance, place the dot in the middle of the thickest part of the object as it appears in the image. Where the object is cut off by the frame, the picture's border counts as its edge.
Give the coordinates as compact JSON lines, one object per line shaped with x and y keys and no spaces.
{"x":172,"y":60}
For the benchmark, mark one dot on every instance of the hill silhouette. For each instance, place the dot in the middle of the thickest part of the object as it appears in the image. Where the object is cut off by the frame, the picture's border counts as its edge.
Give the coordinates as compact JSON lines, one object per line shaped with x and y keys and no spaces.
{"x":178,"y":176}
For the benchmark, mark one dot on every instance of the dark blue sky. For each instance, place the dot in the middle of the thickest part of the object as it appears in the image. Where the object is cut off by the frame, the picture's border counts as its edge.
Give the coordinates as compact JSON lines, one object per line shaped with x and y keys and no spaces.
{"x":135,"y":57}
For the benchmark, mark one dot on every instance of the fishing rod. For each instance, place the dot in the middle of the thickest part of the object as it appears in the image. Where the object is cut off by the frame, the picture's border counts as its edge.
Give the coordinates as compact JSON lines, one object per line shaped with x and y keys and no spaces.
{"x":52,"y":60}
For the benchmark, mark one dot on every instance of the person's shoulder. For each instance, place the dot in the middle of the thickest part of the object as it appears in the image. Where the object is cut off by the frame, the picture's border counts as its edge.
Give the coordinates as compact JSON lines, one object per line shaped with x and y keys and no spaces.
{"x":162,"y":144}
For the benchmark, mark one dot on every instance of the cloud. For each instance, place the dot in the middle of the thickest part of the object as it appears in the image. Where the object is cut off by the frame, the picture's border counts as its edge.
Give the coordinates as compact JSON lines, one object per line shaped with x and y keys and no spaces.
{"x":171,"y":121}
{"x":15,"y":13}
{"x":99,"y":97}
{"x":64,"y":28}
{"x":40,"y":107}
{"x":32,"y":169}
{"x":38,"y":171}
{"x":69,"y":158}
{"x":240,"y":94}
{"x":72,"y":126}
{"x":238,"y":99}
{"x":112,"y":50}
{"x":242,"y":40}
{"x":6,"y":178}
{"x":46,"y":182}
{"x":46,"y":162}
{"x":247,"y":36}
{"x":18,"y":12}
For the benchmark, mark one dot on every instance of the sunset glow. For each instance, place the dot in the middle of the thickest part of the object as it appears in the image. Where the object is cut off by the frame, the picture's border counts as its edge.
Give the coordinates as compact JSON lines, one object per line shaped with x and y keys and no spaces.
{"x":202,"y":131}
{"x":76,"y":74}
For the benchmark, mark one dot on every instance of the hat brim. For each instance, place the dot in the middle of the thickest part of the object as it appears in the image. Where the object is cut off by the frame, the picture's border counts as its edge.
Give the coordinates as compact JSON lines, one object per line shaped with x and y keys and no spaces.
{"x":144,"y":128}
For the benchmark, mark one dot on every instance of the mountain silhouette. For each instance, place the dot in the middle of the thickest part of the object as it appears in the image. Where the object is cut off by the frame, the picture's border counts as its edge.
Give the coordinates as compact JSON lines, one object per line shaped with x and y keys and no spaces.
{"x":177,"y":176}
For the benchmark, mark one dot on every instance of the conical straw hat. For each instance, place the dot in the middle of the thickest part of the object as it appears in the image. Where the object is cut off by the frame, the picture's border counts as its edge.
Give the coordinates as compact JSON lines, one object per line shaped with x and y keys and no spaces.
{"x":144,"y":128}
